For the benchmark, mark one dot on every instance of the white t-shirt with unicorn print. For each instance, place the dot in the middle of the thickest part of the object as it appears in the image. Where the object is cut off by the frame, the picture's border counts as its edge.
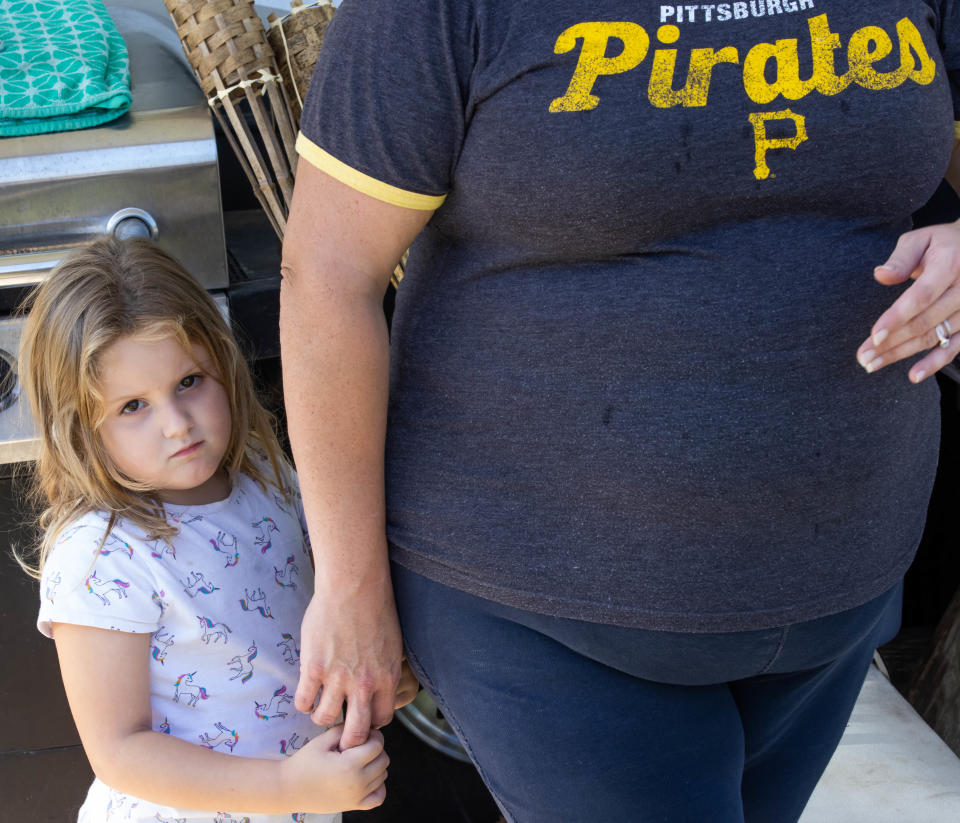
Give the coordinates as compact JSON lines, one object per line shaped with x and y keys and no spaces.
{"x":222,"y":602}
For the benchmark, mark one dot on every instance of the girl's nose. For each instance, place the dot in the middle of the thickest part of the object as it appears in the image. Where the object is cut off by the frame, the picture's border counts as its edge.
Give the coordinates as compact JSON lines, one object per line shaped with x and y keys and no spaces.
{"x":176,"y":422}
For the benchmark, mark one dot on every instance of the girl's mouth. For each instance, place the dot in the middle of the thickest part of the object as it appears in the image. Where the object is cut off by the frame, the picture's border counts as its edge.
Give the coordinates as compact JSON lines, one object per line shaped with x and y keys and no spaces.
{"x":189,"y":449}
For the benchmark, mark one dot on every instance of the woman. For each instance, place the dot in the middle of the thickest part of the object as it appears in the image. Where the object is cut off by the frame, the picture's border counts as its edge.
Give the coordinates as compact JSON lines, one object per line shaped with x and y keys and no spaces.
{"x":650,"y":493}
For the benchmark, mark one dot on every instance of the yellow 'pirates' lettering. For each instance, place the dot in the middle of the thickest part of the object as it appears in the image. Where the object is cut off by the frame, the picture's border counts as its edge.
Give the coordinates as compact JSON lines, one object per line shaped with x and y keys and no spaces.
{"x":867,"y":46}
{"x":824,"y":79}
{"x":823,"y":43}
{"x":871,"y":44}
{"x":695,"y":91}
{"x":764,"y":144}
{"x":592,"y":63}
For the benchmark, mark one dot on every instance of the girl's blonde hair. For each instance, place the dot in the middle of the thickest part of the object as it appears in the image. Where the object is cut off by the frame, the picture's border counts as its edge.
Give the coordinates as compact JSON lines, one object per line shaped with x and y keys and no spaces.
{"x":100,"y":293}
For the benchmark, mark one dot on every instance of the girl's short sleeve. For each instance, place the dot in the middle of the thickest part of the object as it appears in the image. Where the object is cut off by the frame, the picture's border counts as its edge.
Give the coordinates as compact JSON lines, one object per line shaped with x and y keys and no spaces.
{"x":385,"y":109}
{"x":105,"y":584}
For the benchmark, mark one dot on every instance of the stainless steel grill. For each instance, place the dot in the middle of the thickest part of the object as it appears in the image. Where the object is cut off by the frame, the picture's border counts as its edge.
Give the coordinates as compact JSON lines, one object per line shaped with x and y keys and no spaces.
{"x":151,"y":173}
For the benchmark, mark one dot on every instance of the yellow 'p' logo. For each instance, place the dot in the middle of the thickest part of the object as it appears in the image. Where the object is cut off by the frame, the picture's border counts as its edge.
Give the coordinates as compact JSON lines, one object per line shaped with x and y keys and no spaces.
{"x":763,"y":144}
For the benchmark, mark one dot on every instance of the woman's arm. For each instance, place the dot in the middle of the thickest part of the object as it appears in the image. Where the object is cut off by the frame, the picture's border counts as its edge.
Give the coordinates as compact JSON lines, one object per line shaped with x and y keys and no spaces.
{"x":107,"y":680}
{"x":931,"y":257}
{"x":339,"y":251}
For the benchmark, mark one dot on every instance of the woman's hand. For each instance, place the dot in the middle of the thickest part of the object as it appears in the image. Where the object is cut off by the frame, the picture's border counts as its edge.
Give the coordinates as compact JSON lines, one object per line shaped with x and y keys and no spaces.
{"x":926,"y":315}
{"x":350,"y":652}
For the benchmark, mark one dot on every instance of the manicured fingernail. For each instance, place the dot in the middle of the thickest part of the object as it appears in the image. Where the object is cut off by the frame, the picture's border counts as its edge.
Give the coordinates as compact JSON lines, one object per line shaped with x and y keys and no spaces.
{"x":919,"y":376}
{"x":866,"y":357}
{"x":880,"y":336}
{"x":873,"y":365}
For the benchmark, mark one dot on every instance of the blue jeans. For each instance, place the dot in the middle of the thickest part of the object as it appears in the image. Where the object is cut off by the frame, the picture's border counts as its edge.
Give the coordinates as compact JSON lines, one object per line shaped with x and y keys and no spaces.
{"x":574,"y":722}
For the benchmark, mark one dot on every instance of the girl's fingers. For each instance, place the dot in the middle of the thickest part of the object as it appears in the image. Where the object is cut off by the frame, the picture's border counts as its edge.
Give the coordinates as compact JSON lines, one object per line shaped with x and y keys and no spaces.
{"x":374,"y":799}
{"x":376,"y":770}
{"x":329,"y":739}
{"x":377,"y":782}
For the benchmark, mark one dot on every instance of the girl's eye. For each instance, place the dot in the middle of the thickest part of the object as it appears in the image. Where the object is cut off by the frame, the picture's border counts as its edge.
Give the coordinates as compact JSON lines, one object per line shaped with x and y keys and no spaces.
{"x":189,"y":381}
{"x":131,"y":407}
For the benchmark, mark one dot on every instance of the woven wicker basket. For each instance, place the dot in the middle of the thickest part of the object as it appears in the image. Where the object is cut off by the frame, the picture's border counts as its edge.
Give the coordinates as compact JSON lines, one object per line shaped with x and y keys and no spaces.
{"x":296,"y":40}
{"x":226,"y":45}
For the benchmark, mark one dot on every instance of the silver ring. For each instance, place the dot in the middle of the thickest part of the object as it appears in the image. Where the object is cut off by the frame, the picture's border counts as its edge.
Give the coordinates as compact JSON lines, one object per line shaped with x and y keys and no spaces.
{"x":943,"y":332}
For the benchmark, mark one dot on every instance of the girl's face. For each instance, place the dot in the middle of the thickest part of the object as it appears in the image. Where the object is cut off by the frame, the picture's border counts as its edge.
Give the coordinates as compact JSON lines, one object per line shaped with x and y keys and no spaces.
{"x":167,"y":419}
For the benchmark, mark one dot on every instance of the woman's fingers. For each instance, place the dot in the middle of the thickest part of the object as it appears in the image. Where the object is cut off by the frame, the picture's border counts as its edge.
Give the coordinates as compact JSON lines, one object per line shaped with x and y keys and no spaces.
{"x":905,"y":258}
{"x":356,"y":723}
{"x":946,"y":349}
{"x":934,"y":276}
{"x":923,"y":317}
{"x":328,"y":709}
{"x":918,"y":334}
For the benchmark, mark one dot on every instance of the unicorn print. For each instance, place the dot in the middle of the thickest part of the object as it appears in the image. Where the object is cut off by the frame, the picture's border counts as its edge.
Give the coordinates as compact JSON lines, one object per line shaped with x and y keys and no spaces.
{"x":223,"y":817}
{"x":224,"y":737}
{"x":244,"y":670}
{"x":160,"y":547}
{"x":169,"y":819}
{"x":273,"y":707}
{"x":116,"y":804}
{"x":180,"y":520}
{"x":106,"y":588}
{"x":226,"y":544}
{"x":298,"y":817}
{"x":291,"y":653}
{"x":162,"y":641}
{"x":288,"y":747}
{"x":71,"y":532}
{"x":266,"y":526}
{"x":196,"y":584}
{"x":157,"y":598}
{"x":249,"y":603}
{"x":183,"y":686}
{"x":115,"y":544}
{"x":284,"y":577}
{"x":164,"y":728}
{"x":213,"y":631}
{"x":52,"y":584}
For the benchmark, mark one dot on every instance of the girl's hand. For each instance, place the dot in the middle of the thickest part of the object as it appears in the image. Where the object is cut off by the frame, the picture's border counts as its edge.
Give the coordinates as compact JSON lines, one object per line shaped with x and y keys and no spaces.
{"x":321,"y":779}
{"x":407,"y":688}
{"x":931,"y":257}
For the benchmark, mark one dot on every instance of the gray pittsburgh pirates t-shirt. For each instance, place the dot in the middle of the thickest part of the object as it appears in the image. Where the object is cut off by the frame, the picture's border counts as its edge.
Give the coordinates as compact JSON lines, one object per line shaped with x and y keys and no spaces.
{"x":623,"y":376}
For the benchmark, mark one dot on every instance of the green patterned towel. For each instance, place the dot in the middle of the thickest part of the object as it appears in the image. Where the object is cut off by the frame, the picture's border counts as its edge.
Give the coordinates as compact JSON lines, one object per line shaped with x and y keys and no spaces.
{"x":63,"y":65}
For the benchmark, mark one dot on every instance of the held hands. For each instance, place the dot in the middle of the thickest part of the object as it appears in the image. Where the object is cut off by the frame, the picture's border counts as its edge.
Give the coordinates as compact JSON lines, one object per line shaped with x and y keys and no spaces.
{"x":928,"y":312}
{"x":322,"y":779}
{"x":351,"y":652}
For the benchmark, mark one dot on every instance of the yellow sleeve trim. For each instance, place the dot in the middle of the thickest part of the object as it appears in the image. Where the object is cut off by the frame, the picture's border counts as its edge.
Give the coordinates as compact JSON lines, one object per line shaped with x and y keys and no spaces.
{"x":956,"y":130}
{"x":363,"y":182}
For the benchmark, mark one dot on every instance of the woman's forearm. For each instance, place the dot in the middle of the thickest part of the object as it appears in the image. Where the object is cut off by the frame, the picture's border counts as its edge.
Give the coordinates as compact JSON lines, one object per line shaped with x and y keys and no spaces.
{"x":339,"y":251}
{"x":335,"y":361}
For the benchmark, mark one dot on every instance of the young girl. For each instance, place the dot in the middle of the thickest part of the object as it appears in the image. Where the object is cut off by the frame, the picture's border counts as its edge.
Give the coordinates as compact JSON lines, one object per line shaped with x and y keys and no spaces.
{"x":175,"y":562}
